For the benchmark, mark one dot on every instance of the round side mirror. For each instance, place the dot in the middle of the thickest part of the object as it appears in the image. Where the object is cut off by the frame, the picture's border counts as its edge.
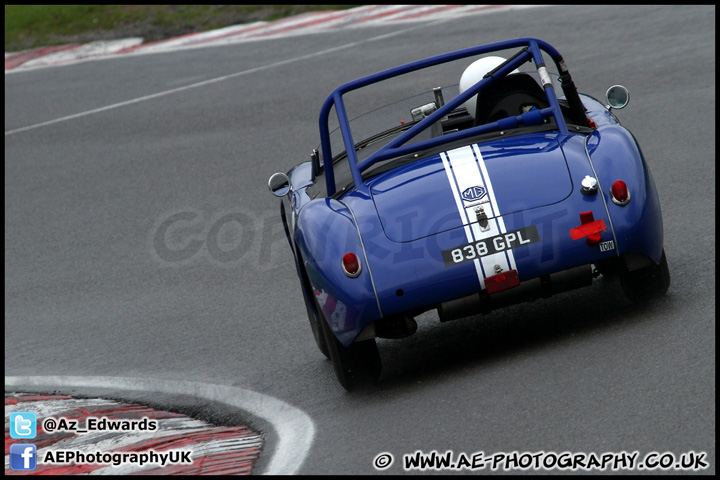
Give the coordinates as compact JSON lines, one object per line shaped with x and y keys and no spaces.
{"x":617,"y":96}
{"x":279,"y":184}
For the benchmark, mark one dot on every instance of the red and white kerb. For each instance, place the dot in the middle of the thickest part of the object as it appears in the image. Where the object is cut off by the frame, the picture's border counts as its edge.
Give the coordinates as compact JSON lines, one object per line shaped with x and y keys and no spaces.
{"x":215,"y":450}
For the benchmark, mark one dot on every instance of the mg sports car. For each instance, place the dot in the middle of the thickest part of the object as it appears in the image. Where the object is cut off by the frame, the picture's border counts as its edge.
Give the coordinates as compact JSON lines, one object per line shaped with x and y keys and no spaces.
{"x":497,"y":184}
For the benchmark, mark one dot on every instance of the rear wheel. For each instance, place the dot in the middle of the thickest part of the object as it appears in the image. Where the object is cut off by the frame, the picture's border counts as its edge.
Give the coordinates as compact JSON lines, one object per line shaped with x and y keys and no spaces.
{"x":309,"y":296}
{"x":317,"y":330}
{"x":354,"y":365}
{"x":646,"y":283}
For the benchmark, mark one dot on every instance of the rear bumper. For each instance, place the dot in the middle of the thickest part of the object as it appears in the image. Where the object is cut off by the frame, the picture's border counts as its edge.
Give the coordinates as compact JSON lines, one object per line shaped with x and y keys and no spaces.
{"x":529,"y":290}
{"x":416,"y":276}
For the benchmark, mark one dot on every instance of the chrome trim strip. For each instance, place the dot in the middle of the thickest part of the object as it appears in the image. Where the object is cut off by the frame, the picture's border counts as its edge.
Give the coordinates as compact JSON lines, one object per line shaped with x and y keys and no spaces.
{"x":362,"y":244}
{"x":612,"y":228}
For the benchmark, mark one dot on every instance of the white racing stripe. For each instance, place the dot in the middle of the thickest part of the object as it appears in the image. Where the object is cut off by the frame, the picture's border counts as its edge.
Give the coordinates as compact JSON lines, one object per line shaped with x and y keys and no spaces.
{"x":466,"y":169}
{"x":498,"y":220}
{"x":463,"y":216}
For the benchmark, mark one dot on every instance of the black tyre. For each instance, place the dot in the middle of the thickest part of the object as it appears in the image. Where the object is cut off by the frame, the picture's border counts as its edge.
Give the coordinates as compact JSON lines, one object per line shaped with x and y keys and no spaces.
{"x":312,"y":318}
{"x":356,"y":364}
{"x":317,"y":330}
{"x":646,"y":283}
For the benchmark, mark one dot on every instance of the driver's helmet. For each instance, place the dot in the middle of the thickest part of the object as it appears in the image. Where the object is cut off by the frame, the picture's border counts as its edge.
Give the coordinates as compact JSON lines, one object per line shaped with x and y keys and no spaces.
{"x":474,"y":73}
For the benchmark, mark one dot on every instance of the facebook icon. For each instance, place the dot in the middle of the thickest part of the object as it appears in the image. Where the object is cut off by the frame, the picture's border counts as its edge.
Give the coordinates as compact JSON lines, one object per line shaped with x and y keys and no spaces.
{"x":23,"y":456}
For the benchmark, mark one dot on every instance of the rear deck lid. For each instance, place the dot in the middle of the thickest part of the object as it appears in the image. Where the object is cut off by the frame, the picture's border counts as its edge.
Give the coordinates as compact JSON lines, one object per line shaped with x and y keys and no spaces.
{"x":470,"y":183}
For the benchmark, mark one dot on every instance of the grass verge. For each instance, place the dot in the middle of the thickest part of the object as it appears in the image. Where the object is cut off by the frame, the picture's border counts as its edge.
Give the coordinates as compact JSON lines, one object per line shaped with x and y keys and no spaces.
{"x":32,"y":26}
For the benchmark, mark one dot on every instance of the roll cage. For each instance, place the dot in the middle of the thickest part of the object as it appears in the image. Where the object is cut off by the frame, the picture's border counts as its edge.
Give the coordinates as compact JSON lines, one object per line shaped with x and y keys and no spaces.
{"x":530,"y":50}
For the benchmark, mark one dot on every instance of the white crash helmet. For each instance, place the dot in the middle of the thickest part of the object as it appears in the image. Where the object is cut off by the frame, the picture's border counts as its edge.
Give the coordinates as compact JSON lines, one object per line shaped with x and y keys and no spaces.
{"x":474,"y":73}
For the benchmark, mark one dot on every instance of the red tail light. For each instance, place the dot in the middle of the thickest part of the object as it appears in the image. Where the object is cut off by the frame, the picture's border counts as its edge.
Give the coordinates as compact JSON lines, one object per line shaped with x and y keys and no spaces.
{"x":620,"y":193}
{"x":351,"y":265}
{"x":502,"y":281}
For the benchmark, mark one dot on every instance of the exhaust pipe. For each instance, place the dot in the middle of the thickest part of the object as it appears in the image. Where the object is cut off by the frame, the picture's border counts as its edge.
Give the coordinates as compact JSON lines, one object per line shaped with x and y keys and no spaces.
{"x":395,"y":326}
{"x":529,"y":290}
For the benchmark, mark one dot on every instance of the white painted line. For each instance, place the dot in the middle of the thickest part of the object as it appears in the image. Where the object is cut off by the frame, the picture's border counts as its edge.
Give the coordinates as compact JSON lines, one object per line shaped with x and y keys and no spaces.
{"x":295,"y":429}
{"x":207,"y":82}
{"x":227,"y":77}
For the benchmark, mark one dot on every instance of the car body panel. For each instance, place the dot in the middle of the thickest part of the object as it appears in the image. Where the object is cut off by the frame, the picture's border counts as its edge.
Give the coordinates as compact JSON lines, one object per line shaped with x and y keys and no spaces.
{"x":345,"y":301}
{"x":638,"y":225}
{"x":419,"y":195}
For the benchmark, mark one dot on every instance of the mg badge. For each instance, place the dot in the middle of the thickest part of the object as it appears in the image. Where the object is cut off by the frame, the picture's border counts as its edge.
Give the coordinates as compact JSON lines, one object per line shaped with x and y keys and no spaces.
{"x":474,"y":193}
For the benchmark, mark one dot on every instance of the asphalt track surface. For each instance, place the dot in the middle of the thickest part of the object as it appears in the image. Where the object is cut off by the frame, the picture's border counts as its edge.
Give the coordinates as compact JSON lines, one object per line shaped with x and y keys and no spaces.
{"x":92,"y":291}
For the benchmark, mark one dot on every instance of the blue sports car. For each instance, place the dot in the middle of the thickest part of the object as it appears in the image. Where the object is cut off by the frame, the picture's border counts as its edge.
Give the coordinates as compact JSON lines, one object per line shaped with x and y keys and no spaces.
{"x":506,"y":187}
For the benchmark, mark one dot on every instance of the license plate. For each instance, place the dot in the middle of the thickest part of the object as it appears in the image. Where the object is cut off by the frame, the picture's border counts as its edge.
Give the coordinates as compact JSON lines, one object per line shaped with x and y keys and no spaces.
{"x":490,"y":246}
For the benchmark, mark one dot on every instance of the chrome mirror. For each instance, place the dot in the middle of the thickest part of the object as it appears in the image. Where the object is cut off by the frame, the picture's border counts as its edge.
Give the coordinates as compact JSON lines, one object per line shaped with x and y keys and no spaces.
{"x":617,"y":96}
{"x":279,"y":184}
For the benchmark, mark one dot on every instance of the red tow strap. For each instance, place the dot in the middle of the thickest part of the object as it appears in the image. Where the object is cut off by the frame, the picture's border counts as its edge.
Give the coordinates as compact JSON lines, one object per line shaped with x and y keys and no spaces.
{"x":589,"y":229}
